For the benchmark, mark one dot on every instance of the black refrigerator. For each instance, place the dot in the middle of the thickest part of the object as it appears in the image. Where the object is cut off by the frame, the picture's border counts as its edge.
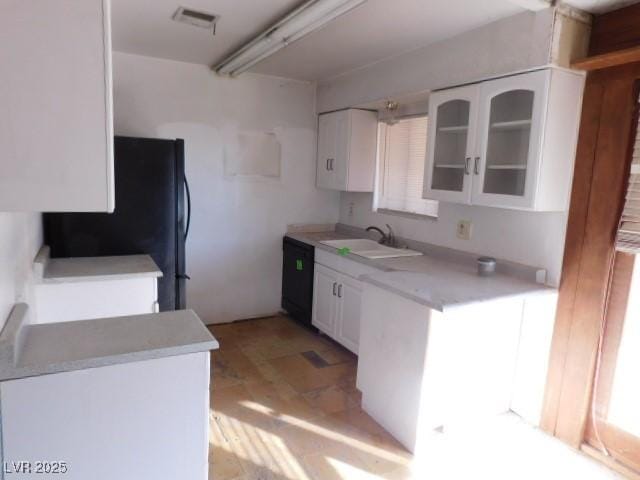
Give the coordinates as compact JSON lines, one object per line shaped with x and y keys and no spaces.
{"x":152,"y":215}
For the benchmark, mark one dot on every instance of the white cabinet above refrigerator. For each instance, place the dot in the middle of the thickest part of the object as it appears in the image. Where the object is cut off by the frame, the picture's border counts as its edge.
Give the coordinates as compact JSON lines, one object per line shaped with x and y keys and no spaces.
{"x":56,"y":132}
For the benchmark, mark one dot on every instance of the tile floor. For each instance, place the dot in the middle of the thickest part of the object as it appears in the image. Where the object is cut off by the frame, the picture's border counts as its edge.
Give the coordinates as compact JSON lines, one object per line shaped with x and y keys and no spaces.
{"x":284,"y":406}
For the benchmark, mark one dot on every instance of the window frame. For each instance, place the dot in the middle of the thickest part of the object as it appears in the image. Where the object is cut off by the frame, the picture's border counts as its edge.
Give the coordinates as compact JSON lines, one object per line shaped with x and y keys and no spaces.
{"x":381,"y":152}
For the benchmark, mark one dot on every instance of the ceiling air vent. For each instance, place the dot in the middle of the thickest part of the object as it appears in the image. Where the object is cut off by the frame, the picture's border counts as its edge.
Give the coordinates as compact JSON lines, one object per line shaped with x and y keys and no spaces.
{"x":196,"y":18}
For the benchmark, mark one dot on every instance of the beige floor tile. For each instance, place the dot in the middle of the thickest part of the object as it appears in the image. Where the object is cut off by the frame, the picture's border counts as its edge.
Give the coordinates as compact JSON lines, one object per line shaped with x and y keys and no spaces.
{"x":325,"y":467}
{"x":228,"y":397}
{"x":301,"y":440}
{"x":289,"y":331}
{"x":321,"y":378}
{"x":294,"y":410}
{"x":304,"y":377}
{"x":252,"y":353}
{"x":266,"y":455}
{"x":284,"y":389}
{"x":355,"y":396}
{"x":249,"y":373}
{"x":246,"y":421}
{"x":293,"y":366}
{"x":275,"y":415}
{"x":331,"y":399}
{"x":282,"y":400}
{"x":280,"y":348}
{"x":299,"y":408}
{"x":217,"y":437}
{"x":336,"y":354}
{"x":360,"y":420}
{"x":264,"y":392}
{"x":224,"y":464}
{"x":221,"y":382}
{"x":270,"y":373}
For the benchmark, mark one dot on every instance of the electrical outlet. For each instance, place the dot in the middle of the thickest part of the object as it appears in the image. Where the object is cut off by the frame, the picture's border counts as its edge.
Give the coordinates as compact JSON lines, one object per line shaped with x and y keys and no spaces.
{"x":463,"y":231}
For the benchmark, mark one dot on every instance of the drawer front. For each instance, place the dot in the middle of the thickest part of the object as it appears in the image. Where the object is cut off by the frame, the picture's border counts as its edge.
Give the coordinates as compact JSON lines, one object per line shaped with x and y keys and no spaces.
{"x":343,"y":265}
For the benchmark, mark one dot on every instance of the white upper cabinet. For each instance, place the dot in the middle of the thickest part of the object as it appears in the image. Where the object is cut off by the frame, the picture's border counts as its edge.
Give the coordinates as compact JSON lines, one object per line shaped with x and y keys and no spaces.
{"x":509,"y":140}
{"x":506,"y":143}
{"x":347,"y":141}
{"x":450,"y":143}
{"x":56,"y":133}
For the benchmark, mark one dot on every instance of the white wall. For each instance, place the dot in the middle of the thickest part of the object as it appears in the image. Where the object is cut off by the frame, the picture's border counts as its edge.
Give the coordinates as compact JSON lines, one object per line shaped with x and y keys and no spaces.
{"x":234,"y":248}
{"x":530,"y":238}
{"x":20,"y":239}
{"x":519,"y":42}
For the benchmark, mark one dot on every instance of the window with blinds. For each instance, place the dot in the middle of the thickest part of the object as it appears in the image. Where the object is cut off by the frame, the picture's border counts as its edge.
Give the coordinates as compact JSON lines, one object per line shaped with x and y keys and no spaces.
{"x":628,"y":238}
{"x":402,"y":154}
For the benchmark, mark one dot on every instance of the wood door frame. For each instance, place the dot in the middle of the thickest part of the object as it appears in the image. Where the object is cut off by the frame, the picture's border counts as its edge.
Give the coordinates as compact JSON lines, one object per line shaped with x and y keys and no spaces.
{"x":621,"y":278}
{"x":619,"y":444}
{"x":600,"y":174}
{"x":600,"y":177}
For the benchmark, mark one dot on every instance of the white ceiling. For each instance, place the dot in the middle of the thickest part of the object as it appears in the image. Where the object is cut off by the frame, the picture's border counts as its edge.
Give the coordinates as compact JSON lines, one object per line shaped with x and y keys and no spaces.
{"x":144,"y":27}
{"x":380,"y":29}
{"x":376,"y":30}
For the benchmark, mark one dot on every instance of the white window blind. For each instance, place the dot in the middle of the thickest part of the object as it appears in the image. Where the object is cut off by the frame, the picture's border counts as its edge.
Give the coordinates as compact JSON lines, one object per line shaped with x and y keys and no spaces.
{"x":628,"y":238}
{"x":403,"y":150}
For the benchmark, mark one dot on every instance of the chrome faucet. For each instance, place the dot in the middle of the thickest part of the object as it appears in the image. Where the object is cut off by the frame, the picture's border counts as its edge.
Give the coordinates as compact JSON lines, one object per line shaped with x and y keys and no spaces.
{"x":391,"y":237}
{"x":388,"y":239}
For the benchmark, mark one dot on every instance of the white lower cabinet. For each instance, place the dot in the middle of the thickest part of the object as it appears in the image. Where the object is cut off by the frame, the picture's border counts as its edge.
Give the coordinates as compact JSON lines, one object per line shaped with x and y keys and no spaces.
{"x":348,"y":313}
{"x":336,"y":306}
{"x":421,"y":369}
{"x":325,"y":287}
{"x":130,"y":421}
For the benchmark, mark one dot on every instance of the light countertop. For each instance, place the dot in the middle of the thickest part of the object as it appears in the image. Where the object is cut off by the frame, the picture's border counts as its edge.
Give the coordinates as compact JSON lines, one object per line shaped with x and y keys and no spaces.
{"x":78,"y":269}
{"x":438,"y":283}
{"x":31,"y":350}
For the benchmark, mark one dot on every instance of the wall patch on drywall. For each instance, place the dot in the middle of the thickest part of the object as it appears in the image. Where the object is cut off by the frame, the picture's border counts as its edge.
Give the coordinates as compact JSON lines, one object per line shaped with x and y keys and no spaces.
{"x":253,"y":155}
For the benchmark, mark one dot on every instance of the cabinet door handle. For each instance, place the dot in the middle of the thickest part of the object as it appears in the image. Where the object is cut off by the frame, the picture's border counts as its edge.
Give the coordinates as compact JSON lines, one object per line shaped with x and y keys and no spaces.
{"x":340,"y":291}
{"x":331,"y":160}
{"x":327,"y":165}
{"x":476,"y":166}
{"x":334,"y":288}
{"x":467,"y":162}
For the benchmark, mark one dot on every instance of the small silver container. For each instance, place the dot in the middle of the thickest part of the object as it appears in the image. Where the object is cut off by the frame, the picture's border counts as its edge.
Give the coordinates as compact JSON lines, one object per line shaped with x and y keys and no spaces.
{"x":486,"y":266}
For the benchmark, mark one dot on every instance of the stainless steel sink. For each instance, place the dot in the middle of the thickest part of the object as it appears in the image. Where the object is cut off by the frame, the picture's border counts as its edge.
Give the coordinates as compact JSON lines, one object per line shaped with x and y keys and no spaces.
{"x":370,"y":249}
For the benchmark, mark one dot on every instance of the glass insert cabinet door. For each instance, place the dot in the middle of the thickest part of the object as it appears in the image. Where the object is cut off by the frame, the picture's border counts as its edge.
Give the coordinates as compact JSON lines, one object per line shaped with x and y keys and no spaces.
{"x":506,"y":166}
{"x":451,"y":136}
